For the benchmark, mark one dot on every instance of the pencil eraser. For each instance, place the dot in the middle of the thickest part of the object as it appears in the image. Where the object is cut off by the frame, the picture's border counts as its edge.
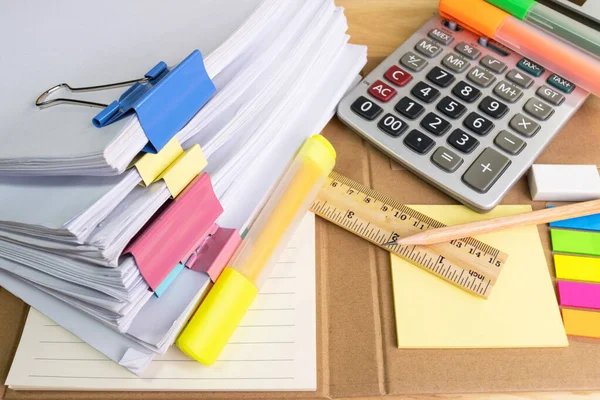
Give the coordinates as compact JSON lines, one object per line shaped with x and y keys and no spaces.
{"x":564,"y":182}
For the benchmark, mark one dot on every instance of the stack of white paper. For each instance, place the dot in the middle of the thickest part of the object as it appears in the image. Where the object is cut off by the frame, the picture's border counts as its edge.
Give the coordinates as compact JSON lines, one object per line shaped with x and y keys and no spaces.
{"x":279,"y":76}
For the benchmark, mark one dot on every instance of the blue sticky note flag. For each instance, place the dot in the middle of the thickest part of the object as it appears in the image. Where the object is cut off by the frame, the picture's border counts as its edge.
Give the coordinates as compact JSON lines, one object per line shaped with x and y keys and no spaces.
{"x":168,"y":280}
{"x":587,"y":223}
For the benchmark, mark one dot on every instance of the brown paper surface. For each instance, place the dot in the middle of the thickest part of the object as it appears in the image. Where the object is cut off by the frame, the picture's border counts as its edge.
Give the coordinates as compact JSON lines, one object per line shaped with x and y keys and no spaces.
{"x":357,"y":353}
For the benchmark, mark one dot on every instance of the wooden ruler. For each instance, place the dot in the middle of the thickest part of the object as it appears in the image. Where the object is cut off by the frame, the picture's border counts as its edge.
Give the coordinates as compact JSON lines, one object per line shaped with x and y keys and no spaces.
{"x":467,"y":263}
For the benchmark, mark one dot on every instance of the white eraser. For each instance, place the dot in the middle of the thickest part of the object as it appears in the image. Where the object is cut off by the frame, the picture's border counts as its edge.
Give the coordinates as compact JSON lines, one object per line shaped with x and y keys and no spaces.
{"x":564,"y":182}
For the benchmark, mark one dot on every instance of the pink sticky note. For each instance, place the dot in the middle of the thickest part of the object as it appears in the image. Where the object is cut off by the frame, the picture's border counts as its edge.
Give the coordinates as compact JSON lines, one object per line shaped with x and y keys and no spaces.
{"x":172,"y":235}
{"x":579,"y":294}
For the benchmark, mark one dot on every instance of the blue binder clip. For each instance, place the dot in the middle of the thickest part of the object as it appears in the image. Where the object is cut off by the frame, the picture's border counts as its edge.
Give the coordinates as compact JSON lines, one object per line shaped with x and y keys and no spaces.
{"x":164,"y":100}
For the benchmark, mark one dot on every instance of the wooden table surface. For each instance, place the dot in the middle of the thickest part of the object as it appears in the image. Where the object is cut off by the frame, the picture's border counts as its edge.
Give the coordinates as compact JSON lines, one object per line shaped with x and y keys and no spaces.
{"x":383,"y":25}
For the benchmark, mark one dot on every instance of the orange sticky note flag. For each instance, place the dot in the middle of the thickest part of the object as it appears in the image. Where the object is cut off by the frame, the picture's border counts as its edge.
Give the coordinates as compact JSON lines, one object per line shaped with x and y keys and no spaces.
{"x":581,"y":322}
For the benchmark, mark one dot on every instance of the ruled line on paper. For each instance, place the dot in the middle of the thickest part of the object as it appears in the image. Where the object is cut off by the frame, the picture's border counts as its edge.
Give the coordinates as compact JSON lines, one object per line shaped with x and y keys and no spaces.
{"x":275,"y":343}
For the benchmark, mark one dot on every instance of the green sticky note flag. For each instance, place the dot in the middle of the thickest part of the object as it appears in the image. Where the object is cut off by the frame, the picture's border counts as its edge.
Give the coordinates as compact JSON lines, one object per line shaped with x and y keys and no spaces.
{"x":575,"y":242}
{"x":518,"y":8}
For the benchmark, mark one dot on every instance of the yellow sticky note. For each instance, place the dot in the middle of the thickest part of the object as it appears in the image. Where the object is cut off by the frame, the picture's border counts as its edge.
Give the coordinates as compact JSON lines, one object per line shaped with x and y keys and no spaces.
{"x":576,"y":268}
{"x":522,"y":310}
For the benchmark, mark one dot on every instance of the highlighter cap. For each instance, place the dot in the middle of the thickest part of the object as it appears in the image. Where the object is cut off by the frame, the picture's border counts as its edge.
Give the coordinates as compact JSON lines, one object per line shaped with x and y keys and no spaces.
{"x":320,"y":150}
{"x":475,"y":15}
{"x":518,"y":8}
{"x":217,"y":318}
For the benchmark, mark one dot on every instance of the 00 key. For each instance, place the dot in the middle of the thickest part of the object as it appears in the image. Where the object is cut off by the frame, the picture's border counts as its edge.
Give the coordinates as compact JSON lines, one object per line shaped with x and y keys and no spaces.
{"x":392,"y":125}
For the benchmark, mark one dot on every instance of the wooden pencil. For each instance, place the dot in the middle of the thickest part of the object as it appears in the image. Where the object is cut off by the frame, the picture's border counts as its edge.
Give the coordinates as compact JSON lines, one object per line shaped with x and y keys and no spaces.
{"x":545,"y":216}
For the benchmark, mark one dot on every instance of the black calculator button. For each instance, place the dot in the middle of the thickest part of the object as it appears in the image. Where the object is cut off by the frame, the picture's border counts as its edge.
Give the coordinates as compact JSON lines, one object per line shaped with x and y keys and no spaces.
{"x":440,"y":77}
{"x":366,"y":108}
{"x":418,"y":142}
{"x":392,"y":125}
{"x":493,"y":108}
{"x":451,"y":108}
{"x":434,"y":124}
{"x":424,"y":92}
{"x":478,"y":124}
{"x":462,"y":141}
{"x":466,"y":92}
{"x":409,"y":108}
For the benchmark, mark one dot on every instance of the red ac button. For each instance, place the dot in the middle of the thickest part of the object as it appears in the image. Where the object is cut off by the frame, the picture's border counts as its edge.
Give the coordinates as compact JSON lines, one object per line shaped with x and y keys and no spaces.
{"x":397,"y":75}
{"x":382,"y":91}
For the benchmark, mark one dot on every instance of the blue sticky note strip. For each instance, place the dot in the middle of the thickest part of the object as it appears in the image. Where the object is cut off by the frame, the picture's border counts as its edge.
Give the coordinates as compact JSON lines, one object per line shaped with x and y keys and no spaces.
{"x":587,"y":223}
{"x":168,"y":280}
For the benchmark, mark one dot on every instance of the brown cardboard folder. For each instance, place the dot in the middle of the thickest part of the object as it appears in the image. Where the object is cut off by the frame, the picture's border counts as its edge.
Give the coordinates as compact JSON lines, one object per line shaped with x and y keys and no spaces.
{"x":357,"y":353}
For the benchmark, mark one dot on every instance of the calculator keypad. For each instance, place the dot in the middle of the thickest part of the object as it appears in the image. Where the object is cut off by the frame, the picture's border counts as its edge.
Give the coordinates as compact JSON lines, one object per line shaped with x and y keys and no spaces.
{"x":469,"y":118}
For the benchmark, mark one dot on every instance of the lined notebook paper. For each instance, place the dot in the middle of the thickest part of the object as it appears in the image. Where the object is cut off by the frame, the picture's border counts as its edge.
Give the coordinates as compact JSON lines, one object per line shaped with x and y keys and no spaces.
{"x":273,"y":349}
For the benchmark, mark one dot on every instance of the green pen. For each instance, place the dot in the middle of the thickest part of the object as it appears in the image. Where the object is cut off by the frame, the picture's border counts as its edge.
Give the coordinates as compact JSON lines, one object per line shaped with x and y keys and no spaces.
{"x":553,"y":22}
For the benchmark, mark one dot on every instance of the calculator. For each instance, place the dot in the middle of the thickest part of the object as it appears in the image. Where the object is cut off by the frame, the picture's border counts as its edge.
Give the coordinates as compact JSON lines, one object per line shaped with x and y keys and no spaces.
{"x":461,"y":111}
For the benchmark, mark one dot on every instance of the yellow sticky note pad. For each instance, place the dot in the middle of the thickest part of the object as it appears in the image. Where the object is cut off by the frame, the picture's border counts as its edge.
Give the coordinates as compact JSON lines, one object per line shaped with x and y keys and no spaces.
{"x":522,"y":310}
{"x":576,"y":268}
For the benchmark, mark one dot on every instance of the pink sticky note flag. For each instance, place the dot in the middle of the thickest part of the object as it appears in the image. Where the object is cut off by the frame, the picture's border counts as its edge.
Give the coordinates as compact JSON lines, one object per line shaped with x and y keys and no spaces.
{"x":579,"y":294}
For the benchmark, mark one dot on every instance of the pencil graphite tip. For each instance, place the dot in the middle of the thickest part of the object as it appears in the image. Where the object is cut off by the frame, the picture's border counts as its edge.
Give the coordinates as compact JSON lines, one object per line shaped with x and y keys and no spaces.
{"x":392,"y":243}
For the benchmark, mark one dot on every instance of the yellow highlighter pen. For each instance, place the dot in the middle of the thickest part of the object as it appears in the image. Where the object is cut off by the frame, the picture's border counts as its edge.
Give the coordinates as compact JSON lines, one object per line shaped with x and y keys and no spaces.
{"x":217,"y":318}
